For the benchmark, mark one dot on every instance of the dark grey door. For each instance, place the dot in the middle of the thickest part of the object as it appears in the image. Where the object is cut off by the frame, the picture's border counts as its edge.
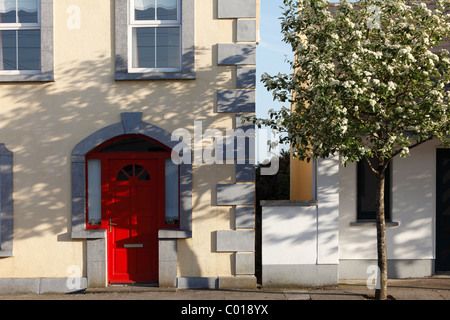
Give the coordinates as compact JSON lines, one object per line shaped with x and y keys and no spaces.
{"x":443,"y":210}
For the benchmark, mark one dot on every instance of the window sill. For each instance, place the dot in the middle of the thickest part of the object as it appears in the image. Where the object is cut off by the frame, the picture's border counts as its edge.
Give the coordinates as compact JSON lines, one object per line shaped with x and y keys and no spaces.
{"x":287,"y":203}
{"x":27,"y":78}
{"x":155,"y":76}
{"x":6,"y":254}
{"x":372,"y":224}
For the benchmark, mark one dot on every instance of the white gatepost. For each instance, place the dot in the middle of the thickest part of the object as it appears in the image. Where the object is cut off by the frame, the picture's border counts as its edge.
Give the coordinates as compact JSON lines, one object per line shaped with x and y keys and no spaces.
{"x":300,"y":238}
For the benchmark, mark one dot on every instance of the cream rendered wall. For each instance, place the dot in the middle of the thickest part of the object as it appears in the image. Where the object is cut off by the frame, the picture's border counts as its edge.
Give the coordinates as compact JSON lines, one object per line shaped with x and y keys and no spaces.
{"x":42,"y":122}
{"x":413,"y":207}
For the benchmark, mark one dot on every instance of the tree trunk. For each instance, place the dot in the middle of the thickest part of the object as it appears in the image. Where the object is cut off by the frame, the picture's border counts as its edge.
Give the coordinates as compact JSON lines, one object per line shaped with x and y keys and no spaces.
{"x":381,"y":293}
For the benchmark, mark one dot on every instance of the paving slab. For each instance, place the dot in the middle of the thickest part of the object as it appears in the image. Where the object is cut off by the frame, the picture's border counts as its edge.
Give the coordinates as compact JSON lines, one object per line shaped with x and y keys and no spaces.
{"x":429,"y":288}
{"x":297,"y":295}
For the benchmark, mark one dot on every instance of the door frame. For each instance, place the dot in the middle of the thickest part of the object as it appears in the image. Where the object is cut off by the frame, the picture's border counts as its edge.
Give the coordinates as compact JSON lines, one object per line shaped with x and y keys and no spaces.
{"x":130,"y":123}
{"x":129,"y":156}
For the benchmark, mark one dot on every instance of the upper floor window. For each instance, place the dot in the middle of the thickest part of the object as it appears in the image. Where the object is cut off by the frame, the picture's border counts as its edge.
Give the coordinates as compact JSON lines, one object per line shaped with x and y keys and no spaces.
{"x":155,"y":27}
{"x":154,"y":39}
{"x":26,"y":41}
{"x":20,"y":37}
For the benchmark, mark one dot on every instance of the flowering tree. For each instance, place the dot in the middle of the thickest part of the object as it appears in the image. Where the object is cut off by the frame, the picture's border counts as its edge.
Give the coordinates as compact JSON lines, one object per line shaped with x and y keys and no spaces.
{"x":368,"y":84}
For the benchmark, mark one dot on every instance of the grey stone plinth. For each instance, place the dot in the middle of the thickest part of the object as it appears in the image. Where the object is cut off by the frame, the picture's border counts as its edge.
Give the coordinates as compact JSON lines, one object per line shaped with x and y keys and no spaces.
{"x":197,"y":283}
{"x":281,"y":275}
{"x":41,"y":285}
{"x":168,"y":262}
{"x":96,"y":263}
{"x":240,"y":282}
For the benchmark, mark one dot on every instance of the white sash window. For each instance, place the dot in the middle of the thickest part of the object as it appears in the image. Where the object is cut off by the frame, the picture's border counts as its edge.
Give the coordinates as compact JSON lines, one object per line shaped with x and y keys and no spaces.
{"x":155,"y":36}
{"x":20,"y":37}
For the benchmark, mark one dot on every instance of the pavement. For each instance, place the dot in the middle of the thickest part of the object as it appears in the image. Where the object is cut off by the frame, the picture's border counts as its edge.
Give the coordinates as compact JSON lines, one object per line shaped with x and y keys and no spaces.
{"x":436,"y":287}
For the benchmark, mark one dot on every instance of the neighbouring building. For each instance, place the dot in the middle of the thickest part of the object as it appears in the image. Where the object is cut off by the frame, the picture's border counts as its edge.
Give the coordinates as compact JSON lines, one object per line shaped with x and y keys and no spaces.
{"x":328,"y":226}
{"x":99,"y":180}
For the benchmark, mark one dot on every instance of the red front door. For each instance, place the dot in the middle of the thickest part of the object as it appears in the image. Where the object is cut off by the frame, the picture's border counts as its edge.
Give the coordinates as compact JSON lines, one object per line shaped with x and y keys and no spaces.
{"x":131,"y":199}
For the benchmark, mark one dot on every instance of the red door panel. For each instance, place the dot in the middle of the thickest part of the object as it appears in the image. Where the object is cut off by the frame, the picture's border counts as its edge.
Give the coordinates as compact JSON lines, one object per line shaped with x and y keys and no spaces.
{"x":131,"y":213}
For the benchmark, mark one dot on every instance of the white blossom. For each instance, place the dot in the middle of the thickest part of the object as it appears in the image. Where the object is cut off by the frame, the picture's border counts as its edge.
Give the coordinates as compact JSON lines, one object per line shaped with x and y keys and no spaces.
{"x":404,"y":152}
{"x":405,"y":50}
{"x":377,"y":126}
{"x":334,"y":82}
{"x":347,"y":84}
{"x":391,"y":86}
{"x":358,"y":33}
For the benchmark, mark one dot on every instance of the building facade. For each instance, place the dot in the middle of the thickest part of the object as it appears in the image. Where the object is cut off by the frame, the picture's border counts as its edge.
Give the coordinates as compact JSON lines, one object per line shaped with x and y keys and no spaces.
{"x":113,"y":167}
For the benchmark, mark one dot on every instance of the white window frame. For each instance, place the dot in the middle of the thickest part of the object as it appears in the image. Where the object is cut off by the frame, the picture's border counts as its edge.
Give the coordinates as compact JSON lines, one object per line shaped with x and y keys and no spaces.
{"x":132,"y":23}
{"x":22,"y":26}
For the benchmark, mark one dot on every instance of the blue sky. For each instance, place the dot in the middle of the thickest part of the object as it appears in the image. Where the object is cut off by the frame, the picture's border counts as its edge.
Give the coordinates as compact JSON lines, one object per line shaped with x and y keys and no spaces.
{"x":271,"y":55}
{"x":271,"y":52}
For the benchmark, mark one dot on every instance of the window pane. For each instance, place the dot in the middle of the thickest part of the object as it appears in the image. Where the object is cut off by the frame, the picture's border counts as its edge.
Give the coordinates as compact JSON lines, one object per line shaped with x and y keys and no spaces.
{"x":171,"y":191}
{"x":8,"y":50}
{"x":7,"y":11}
{"x":167,"y":10}
{"x":144,"y":9}
{"x":144,"y":48}
{"x":94,"y":192}
{"x":122,"y":176}
{"x":27,"y":11}
{"x":143,"y":176}
{"x":367,"y":192}
{"x":168,"y":42}
{"x":29,"y":49}
{"x":138,"y":170}
{"x":128,"y":170}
